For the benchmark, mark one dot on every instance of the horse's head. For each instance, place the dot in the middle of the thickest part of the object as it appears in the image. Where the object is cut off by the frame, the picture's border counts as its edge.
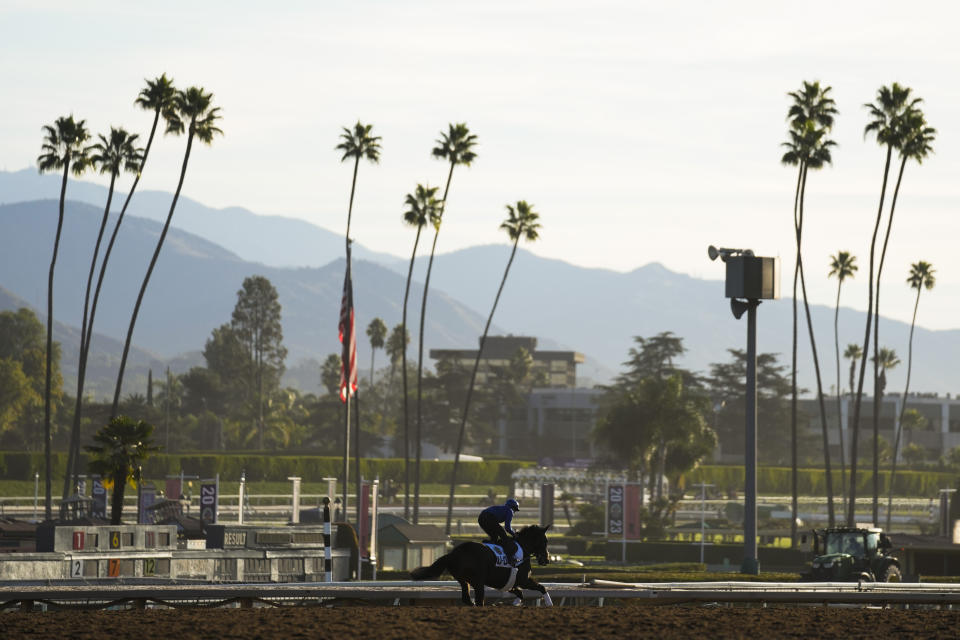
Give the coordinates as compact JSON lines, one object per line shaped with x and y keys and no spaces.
{"x":533,"y":539}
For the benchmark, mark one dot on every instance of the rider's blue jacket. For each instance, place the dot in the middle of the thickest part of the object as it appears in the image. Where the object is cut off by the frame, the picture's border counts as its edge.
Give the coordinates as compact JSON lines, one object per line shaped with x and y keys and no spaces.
{"x":503,"y":514}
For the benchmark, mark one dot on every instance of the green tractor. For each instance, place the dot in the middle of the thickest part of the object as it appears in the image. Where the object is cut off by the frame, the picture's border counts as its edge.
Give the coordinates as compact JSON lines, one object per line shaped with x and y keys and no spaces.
{"x":842,"y":554}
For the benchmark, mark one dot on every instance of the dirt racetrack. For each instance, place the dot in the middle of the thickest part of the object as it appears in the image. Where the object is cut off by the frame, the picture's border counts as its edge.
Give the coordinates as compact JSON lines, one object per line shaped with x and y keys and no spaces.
{"x":446,"y":623}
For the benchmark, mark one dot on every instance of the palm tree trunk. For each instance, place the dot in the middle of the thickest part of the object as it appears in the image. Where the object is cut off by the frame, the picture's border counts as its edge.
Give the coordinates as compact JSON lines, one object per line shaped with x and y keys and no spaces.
{"x":794,"y":505}
{"x":84,"y":342}
{"x":49,"y":373}
{"x":836,"y":345}
{"x":876,"y":349}
{"x":406,"y":400}
{"x":903,"y":407}
{"x":473,"y":378}
{"x":353,"y":187}
{"x":116,"y":506}
{"x":146,"y":279}
{"x":816,"y":366}
{"x":854,"y":450}
{"x":423,"y":314}
{"x":356,"y":455}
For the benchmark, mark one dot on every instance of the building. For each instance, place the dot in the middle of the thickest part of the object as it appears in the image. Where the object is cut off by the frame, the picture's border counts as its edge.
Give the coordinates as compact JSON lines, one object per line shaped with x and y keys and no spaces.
{"x":558,"y":369}
{"x":941,"y":434}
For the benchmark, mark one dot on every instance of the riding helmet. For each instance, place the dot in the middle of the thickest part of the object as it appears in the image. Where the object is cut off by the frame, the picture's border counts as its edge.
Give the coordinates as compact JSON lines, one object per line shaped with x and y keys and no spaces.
{"x":513,"y":504}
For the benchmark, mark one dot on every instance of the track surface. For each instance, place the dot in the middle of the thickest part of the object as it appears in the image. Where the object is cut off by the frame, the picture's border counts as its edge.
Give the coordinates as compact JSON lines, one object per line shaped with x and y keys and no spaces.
{"x":446,"y":623}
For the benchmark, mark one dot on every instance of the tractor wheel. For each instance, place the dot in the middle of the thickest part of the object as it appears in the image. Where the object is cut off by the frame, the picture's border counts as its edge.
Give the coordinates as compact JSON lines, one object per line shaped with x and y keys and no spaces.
{"x":891,"y":574}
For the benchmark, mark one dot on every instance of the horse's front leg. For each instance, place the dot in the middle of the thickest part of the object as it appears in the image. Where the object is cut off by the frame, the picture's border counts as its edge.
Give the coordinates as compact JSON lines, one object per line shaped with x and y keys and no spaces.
{"x":533,"y":585}
{"x":518,"y":601}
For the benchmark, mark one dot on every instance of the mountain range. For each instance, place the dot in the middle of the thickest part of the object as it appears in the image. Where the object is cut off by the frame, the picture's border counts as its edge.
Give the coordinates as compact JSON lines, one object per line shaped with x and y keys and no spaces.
{"x":593,"y":311}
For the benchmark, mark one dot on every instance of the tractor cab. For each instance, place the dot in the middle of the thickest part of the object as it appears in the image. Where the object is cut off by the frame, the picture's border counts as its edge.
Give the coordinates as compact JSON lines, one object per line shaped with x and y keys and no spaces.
{"x":852,"y":553}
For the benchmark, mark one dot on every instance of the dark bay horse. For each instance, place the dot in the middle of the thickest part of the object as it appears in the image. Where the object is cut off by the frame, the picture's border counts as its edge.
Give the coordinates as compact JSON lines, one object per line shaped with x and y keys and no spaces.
{"x":475,"y":565}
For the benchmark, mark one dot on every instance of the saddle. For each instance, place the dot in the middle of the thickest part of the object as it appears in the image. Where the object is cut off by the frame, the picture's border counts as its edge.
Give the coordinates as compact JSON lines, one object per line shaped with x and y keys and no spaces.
{"x":508,"y":555}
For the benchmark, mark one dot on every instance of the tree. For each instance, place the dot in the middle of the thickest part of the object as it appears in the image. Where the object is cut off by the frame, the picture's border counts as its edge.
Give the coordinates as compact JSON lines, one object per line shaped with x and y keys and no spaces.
{"x":641,"y":424}
{"x":396,"y":348}
{"x":853,"y":353}
{"x":455,"y":146}
{"x":893,"y":104}
{"x":914,"y":140}
{"x":330,"y":374}
{"x":193,"y":111}
{"x":422,"y":208}
{"x":358,"y":143}
{"x":256,"y":323}
{"x":921,"y":277}
{"x":63,"y":148}
{"x":111,"y":156}
{"x":119,"y":450}
{"x":885,"y":359}
{"x":22,"y":361}
{"x":521,"y":222}
{"x":842,"y":266}
{"x":377,"y":333}
{"x":811,"y":118}
{"x":653,"y":357}
{"x":727,"y":388}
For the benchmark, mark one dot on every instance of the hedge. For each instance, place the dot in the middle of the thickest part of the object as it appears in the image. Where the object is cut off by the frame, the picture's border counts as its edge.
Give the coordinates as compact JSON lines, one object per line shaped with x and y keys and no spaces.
{"x":260,"y":467}
{"x":813,"y":482}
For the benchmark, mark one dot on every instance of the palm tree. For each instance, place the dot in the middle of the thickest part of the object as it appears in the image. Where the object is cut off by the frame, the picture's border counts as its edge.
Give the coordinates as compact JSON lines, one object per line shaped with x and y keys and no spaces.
{"x":423,"y":208}
{"x":455,"y":146}
{"x":892,"y":107}
{"x":377,"y":332}
{"x":119,"y":451}
{"x":63,"y":148}
{"x":811,"y":117}
{"x":158,"y":96}
{"x":853,"y":353}
{"x":843,"y":266}
{"x":194,"y":112}
{"x":921,"y":277}
{"x":521,"y":222}
{"x":110,"y":155}
{"x":358,"y":143}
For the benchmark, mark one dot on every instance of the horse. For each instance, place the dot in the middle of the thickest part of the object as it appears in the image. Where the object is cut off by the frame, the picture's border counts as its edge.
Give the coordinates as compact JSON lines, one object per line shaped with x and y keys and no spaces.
{"x":473,"y":564}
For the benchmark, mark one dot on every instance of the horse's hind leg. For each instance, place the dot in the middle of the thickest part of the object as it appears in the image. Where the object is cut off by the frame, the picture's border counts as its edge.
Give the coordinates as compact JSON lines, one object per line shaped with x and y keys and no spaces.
{"x":478,"y":593}
{"x":519,"y":596}
{"x":465,"y":592}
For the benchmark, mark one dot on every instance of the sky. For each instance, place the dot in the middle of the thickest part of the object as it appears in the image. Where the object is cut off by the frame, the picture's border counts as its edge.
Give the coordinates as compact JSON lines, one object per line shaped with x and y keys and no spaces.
{"x":640,"y":131}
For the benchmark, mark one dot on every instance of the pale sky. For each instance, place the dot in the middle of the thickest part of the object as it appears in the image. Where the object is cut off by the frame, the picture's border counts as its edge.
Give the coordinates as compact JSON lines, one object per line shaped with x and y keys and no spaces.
{"x":641,"y":131}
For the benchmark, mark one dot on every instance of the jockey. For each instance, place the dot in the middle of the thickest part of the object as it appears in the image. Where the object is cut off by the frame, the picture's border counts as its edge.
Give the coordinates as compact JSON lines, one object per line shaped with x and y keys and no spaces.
{"x":490,"y":519}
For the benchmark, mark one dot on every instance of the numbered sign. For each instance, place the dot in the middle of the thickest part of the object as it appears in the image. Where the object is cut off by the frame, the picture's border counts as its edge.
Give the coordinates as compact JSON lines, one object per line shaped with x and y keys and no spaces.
{"x":114,"y":539}
{"x":149,"y":566}
{"x":76,"y":568}
{"x":78,"y":539}
{"x":113,"y":568}
{"x":208,"y":503}
{"x":615,"y":510}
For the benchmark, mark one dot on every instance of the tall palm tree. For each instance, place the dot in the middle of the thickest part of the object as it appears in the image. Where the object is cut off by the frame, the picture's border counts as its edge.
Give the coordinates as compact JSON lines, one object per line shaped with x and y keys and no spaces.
{"x":194,"y":112}
{"x":811,"y":117}
{"x":158,"y":96}
{"x":456,"y":147}
{"x":521,"y":222}
{"x":377,"y":333}
{"x":915,"y":140}
{"x":63,"y":148}
{"x":422,"y":208}
{"x":843,"y":266}
{"x":110,"y":155}
{"x":119,"y":451}
{"x":921,"y":277}
{"x":888,"y":112}
{"x":357,"y":143}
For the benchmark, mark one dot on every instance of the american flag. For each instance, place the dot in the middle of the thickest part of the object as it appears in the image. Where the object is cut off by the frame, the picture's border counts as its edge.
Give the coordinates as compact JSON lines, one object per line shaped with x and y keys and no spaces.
{"x":348,"y":338}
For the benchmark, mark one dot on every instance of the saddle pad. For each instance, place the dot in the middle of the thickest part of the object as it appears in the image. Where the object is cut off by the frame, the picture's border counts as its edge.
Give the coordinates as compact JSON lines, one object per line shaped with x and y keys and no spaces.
{"x":501,"y":555}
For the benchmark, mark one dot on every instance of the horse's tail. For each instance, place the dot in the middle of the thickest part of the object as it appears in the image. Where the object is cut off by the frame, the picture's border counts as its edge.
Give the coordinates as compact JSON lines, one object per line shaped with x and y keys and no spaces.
{"x":433,"y":571}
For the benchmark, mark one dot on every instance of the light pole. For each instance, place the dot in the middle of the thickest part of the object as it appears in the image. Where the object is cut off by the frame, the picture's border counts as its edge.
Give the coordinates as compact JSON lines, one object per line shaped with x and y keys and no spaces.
{"x":749,"y":279}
